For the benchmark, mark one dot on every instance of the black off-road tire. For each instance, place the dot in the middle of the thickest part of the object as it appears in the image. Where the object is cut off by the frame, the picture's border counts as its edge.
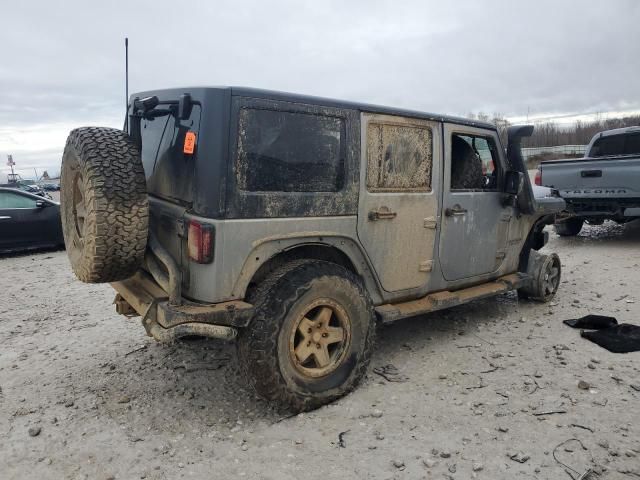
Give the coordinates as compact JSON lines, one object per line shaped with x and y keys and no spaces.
{"x":263,"y":349}
{"x":570,"y":227}
{"x":104,"y":205}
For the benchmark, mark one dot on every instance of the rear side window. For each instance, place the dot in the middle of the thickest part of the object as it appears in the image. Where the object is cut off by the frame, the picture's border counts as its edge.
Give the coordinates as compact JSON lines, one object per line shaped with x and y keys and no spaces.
{"x":399,"y":157}
{"x":289,"y":152}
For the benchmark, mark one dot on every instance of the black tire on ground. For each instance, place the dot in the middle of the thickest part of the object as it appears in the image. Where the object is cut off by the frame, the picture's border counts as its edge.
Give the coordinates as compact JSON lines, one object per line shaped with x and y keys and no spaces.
{"x":545,"y":272}
{"x":570,"y":227}
{"x":303,"y":309}
{"x":104,"y":205}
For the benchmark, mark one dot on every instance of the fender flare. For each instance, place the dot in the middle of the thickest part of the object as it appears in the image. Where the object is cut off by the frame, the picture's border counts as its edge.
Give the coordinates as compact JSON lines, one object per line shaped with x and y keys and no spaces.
{"x":268,"y":249}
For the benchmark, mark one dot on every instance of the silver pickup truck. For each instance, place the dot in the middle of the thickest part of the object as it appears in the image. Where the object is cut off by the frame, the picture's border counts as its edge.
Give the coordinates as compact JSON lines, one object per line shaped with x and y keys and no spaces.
{"x":605,"y":184}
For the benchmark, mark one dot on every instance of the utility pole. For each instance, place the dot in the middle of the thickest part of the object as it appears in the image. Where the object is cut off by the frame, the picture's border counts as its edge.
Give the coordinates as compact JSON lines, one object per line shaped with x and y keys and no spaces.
{"x":11,"y":163}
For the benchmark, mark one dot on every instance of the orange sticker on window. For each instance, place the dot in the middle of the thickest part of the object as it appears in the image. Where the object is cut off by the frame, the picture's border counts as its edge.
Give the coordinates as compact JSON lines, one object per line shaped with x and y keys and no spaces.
{"x":189,"y":143}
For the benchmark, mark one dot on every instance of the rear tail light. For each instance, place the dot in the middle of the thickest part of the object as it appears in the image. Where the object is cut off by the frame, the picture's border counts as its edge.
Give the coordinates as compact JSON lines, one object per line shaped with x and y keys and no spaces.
{"x":200,"y":242}
{"x":538,"y":179}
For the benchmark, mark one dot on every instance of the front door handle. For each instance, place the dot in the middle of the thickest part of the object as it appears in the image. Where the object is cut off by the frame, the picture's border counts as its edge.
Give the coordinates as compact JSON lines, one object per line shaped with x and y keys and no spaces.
{"x":5,"y":218}
{"x":382,"y":213}
{"x":455,"y":211}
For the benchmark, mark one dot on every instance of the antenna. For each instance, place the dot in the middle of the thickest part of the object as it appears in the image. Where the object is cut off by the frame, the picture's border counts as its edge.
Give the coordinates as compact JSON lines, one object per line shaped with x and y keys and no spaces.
{"x":126,"y":84}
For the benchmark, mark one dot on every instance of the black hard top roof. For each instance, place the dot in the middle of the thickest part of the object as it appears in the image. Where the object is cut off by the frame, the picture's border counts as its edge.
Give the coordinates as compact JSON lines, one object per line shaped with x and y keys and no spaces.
{"x":328,"y":102}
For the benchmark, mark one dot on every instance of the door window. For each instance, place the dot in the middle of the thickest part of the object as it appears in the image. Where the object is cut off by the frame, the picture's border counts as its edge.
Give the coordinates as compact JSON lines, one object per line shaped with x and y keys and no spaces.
{"x":399,"y":157}
{"x":15,"y":200}
{"x":474,"y":163}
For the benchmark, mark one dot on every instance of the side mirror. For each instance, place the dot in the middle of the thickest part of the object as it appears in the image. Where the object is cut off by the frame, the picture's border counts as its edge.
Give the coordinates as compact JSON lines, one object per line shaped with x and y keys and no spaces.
{"x":41,"y":204}
{"x":513,"y":182}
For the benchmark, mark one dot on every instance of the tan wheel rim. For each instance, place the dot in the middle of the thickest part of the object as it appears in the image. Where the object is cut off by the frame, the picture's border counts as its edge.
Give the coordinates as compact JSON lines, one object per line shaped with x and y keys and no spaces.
{"x":79,"y":209}
{"x":551,"y":278}
{"x":320,"y":338}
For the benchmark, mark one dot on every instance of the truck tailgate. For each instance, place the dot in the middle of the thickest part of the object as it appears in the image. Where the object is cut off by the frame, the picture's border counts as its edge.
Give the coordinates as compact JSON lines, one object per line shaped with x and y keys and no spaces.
{"x":593,"y":178}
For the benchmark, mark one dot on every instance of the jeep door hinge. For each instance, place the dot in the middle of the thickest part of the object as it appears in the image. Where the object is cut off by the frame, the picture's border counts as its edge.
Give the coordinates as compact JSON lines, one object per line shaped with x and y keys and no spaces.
{"x":431,"y":223}
{"x":426,"y":266}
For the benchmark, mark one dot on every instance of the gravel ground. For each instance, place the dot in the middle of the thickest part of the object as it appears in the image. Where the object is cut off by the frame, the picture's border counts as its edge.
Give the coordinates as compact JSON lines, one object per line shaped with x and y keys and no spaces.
{"x":85,"y":394}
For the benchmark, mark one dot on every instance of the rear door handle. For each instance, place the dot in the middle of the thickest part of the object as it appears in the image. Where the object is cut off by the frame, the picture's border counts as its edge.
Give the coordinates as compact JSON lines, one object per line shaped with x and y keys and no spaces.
{"x":5,"y":218}
{"x":591,"y":173}
{"x":382,"y":213}
{"x":455,"y":211}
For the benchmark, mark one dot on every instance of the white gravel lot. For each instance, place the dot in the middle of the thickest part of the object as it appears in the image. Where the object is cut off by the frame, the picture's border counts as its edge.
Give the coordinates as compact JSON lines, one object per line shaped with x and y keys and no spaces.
{"x":106,"y":402}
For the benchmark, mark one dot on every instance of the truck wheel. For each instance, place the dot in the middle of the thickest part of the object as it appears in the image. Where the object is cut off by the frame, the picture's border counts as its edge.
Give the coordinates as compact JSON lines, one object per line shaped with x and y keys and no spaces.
{"x":570,"y":227}
{"x":311,"y":338}
{"x":104,"y":206}
{"x":544,"y":272}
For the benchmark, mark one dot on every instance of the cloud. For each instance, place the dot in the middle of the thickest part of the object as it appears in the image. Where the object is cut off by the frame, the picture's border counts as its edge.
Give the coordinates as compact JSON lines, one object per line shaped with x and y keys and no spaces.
{"x":62,"y":63}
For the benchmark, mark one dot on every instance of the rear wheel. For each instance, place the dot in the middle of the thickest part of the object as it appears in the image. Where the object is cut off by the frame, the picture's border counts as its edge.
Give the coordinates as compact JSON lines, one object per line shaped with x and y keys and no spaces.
{"x":570,"y":227}
{"x":312,"y":336}
{"x":104,"y":206}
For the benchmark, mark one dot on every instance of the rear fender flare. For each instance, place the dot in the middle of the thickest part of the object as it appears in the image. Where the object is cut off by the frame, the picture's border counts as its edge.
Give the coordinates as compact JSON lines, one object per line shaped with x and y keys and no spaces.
{"x":269,"y":249}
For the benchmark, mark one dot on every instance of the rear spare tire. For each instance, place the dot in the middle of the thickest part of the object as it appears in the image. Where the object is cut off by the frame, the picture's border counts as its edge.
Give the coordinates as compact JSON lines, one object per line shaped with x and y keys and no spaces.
{"x":104,"y":206}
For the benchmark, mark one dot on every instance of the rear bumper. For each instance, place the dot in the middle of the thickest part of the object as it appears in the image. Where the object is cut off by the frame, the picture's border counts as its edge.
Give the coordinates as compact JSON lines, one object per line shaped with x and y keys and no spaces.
{"x":141,"y":295}
{"x":603,"y":207}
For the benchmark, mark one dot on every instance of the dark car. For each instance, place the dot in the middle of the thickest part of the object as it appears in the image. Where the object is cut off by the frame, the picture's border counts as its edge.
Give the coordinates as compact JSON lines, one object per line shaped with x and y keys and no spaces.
{"x":28,"y":221}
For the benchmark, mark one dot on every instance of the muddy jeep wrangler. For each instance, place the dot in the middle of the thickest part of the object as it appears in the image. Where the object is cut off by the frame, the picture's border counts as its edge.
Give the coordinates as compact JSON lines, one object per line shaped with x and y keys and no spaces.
{"x":295,"y":224}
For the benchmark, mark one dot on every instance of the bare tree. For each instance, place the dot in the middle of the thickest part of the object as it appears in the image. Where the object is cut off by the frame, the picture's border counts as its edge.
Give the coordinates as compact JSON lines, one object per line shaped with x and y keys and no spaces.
{"x":550,"y":134}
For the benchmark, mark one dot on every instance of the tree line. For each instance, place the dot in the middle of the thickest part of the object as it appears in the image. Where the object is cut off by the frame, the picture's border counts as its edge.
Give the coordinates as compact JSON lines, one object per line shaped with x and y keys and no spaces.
{"x":551,"y":134}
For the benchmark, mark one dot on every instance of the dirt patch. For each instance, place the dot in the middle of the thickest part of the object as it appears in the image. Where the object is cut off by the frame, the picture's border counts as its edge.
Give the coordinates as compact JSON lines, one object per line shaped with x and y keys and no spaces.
{"x":487,"y":389}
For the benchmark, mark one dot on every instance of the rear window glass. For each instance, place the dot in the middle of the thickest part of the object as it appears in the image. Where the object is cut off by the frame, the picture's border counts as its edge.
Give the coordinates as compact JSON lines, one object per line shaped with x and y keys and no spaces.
{"x":289,"y":152}
{"x":613,"y":145}
{"x":151,"y":130}
{"x":632,"y":144}
{"x":399,"y":157}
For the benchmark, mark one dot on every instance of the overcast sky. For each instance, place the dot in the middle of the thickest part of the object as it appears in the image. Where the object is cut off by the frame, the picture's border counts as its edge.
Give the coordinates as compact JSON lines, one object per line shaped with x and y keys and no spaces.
{"x":62,"y":63}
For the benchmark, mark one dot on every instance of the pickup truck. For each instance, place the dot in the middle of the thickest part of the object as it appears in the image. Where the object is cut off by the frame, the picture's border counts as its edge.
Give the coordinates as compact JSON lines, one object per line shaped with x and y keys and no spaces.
{"x":605,"y":184}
